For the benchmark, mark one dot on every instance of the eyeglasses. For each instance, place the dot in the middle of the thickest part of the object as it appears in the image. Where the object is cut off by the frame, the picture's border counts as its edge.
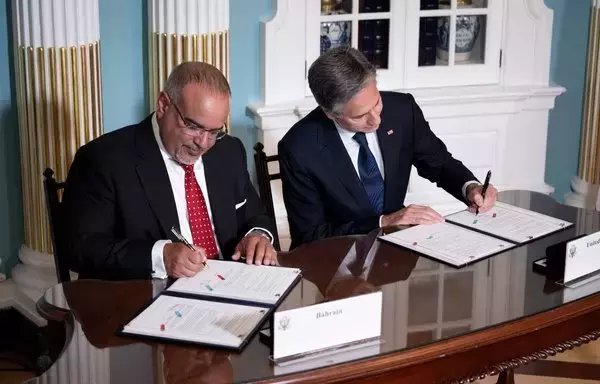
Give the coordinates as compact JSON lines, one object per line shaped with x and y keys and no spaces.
{"x":193,"y":129}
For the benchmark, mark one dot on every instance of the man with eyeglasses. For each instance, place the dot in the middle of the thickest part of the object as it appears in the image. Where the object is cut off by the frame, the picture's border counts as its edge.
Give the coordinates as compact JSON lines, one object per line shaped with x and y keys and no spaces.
{"x":345,"y":167}
{"x":133,"y":193}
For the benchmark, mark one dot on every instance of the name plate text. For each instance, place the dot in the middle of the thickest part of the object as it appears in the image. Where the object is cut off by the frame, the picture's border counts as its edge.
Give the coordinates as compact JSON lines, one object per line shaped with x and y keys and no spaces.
{"x":582,"y":258}
{"x":318,"y":327}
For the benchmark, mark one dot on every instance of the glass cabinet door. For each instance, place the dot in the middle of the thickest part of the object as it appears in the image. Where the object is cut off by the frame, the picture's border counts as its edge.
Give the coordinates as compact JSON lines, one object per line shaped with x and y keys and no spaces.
{"x":455,"y":42}
{"x":371,"y":26}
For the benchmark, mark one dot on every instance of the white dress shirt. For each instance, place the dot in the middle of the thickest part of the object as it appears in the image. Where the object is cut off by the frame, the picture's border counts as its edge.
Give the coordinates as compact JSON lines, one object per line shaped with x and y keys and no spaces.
{"x":177,"y":178}
{"x":352,"y":147}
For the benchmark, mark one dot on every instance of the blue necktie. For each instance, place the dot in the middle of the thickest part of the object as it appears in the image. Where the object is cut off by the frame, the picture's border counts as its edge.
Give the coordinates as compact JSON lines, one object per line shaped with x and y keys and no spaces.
{"x":369,"y":173}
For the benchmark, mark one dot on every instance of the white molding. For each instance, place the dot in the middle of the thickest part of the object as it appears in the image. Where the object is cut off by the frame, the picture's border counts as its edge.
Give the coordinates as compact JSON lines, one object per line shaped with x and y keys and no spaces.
{"x":7,"y":294}
{"x":12,"y":297}
{"x":538,"y":9}
{"x":283,"y":57}
{"x":34,"y":258}
{"x":497,"y":100}
{"x":583,"y":194}
{"x":34,"y":274}
{"x":527,"y":43}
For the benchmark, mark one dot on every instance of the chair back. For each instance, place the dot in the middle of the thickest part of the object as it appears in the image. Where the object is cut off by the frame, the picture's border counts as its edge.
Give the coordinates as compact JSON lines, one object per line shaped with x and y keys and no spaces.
{"x":52,"y":190}
{"x":264,"y":178}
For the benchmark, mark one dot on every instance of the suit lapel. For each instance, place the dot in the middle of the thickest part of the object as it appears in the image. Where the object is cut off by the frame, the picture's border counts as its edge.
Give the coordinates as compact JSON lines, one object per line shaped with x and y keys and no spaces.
{"x":338,"y":158}
{"x":389,"y":144}
{"x":154,"y":178}
{"x":221,"y":206}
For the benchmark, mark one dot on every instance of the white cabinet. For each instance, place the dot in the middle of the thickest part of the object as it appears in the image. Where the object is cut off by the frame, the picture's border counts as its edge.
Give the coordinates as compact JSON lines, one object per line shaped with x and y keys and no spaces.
{"x":488,"y":98}
{"x":473,"y":28}
{"x":376,"y":28}
{"x":408,"y":41}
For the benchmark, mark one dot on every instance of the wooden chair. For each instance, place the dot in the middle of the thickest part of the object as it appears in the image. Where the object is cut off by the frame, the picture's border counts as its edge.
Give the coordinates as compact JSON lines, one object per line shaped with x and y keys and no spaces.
{"x":56,"y":218}
{"x":261,"y":162}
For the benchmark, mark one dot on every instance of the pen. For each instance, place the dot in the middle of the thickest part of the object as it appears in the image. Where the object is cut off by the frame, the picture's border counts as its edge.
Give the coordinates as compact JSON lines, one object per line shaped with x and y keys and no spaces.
{"x":180,"y":237}
{"x":485,"y":187}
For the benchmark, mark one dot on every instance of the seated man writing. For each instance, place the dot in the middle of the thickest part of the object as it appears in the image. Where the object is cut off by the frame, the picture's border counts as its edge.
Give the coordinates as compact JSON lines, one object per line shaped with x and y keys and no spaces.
{"x":176,"y":168}
{"x":345,"y":167}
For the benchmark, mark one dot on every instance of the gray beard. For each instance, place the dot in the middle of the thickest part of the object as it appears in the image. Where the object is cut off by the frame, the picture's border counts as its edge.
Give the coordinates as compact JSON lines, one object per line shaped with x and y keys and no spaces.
{"x":180,"y":158}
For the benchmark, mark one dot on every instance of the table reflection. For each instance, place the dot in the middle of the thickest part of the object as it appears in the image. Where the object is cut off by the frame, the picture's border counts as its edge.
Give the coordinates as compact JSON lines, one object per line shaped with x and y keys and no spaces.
{"x":181,"y":364}
{"x":423,"y":302}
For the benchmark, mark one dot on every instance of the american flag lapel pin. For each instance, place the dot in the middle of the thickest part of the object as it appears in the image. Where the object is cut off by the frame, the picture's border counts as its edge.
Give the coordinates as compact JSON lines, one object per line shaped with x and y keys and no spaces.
{"x":390,"y":132}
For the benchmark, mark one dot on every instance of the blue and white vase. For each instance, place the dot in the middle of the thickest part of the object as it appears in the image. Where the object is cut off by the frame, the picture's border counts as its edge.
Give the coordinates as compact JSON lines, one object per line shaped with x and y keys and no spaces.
{"x":467,"y":32}
{"x":334,"y":34}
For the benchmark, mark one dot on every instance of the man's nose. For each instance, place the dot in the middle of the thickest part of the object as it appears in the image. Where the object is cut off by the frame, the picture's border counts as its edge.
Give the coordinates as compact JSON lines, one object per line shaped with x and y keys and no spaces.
{"x":202,"y":141}
{"x":374,"y":118}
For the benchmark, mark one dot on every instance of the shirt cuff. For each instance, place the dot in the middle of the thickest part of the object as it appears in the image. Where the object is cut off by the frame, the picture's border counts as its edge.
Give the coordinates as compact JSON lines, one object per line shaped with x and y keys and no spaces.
{"x":158,"y":262}
{"x":380,"y":218}
{"x":263,"y":231}
{"x":465,"y":185}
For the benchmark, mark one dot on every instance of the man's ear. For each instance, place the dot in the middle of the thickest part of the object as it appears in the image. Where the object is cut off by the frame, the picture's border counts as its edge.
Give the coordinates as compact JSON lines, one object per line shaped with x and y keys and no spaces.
{"x":329,"y":114}
{"x":162,"y":102}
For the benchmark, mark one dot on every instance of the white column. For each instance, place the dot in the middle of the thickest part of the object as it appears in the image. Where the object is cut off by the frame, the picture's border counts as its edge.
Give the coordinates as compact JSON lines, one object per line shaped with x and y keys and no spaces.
{"x":81,"y":362}
{"x":186,"y":30}
{"x":57,"y":67}
{"x":584,"y":186}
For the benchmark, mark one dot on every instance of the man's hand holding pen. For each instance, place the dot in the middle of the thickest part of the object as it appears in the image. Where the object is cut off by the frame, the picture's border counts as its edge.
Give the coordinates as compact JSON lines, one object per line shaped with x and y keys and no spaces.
{"x":182,"y":261}
{"x":481,"y":198}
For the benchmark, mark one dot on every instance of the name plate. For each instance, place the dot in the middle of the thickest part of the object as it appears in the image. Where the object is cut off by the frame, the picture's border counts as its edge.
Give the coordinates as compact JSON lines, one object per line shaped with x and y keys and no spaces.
{"x":316,"y":328}
{"x":582,"y":258}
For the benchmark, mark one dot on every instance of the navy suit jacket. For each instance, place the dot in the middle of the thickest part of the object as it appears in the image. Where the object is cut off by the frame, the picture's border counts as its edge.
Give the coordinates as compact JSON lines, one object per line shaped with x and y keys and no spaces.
{"x":323,"y":193}
{"x":119,"y":201}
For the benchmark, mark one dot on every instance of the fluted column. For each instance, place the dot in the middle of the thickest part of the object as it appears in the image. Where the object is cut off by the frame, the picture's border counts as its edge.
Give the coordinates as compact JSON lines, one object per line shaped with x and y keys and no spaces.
{"x":584,"y":186}
{"x":81,"y":362}
{"x":186,"y":30}
{"x":57,"y":60}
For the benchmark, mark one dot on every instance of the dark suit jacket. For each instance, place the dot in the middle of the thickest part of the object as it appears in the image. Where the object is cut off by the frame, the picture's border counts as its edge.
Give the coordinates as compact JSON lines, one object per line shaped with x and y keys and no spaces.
{"x":119,"y":202}
{"x":322,"y":192}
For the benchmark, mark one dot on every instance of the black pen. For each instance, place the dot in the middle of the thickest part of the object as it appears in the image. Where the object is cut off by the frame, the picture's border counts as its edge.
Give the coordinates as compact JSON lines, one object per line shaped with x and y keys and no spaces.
{"x":180,"y":237}
{"x":485,"y":187}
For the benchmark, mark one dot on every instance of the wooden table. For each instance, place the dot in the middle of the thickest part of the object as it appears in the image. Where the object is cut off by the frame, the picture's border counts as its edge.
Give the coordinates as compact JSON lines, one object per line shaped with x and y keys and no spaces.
{"x":440,"y":324}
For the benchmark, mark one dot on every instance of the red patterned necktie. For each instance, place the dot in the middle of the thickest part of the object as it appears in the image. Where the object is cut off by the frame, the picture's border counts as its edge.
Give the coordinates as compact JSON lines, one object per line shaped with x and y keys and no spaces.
{"x":202,"y":232}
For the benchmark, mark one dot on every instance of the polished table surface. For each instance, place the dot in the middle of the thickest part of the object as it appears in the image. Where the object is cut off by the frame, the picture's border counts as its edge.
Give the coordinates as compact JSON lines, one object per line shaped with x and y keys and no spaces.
{"x":439,"y":322}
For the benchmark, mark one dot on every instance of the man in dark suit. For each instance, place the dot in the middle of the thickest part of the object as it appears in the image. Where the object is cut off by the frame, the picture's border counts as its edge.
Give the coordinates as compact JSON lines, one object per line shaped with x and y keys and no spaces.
{"x":345,"y":167}
{"x":126,"y":189}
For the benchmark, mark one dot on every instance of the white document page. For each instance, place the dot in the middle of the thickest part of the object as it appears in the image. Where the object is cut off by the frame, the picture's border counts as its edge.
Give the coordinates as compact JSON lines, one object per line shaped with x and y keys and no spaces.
{"x":509,"y":222}
{"x":234,"y":280}
{"x":448,"y":242}
{"x":198,"y":321}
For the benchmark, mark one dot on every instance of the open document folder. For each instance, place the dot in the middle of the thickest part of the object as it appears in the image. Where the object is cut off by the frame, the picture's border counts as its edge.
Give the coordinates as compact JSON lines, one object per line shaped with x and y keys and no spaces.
{"x":465,"y":237}
{"x":221,"y":306}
